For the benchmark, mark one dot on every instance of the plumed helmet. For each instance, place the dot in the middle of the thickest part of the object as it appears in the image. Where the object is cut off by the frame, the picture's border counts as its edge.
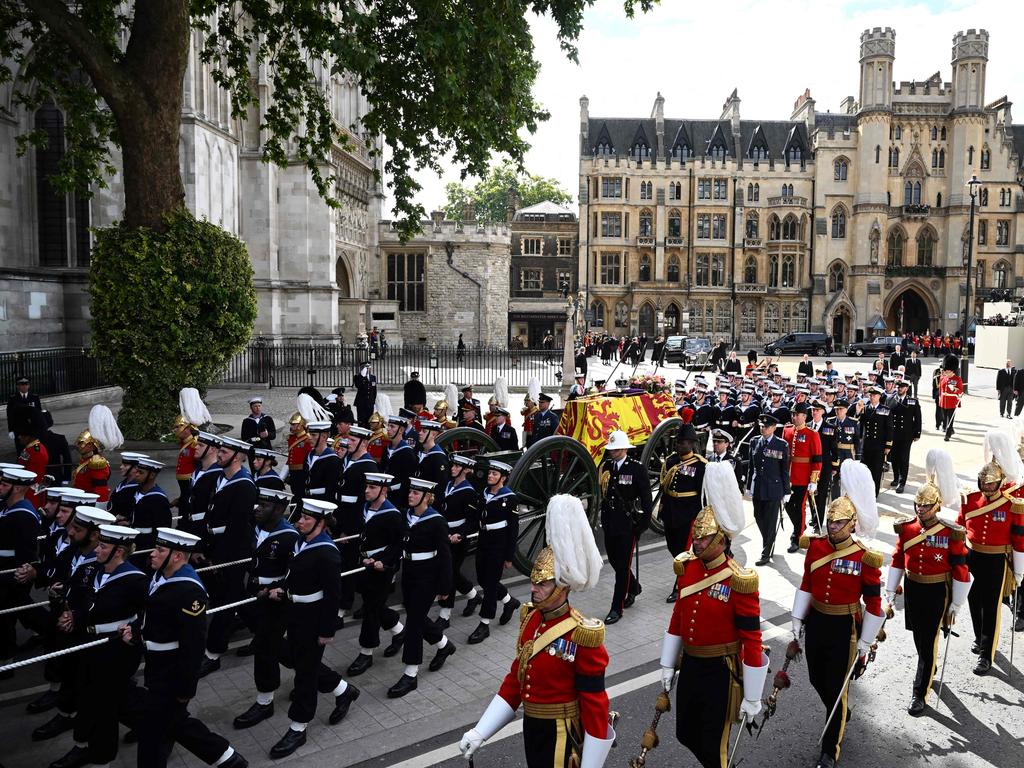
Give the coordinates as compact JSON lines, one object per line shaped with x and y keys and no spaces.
{"x":501,"y":391}
{"x":858,"y":502}
{"x":296,"y":418}
{"x":1003,"y":460}
{"x":442,"y":406}
{"x":310,"y":409}
{"x":192,"y":407}
{"x":376,"y":421}
{"x":577,"y":561}
{"x":103,"y":428}
{"x":724,"y":509}
{"x":942,"y":477}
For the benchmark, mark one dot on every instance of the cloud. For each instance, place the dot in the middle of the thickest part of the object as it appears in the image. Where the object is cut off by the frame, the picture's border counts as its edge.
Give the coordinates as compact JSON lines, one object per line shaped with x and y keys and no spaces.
{"x":696,"y":54}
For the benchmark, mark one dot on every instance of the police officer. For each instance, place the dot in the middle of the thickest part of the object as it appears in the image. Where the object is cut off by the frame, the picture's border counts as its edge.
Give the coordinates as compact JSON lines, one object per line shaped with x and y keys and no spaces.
{"x":825,"y":426}
{"x":545,"y":421}
{"x":380,"y":550}
{"x":460,"y":505}
{"x":499,"y":532}
{"x":682,"y":481}
{"x":365,"y":382}
{"x":768,"y":483}
{"x":351,"y":504}
{"x":275,"y":544}
{"x":173,"y":635}
{"x":400,"y":460}
{"x":504,"y":434}
{"x":847,"y":441}
{"x":312,"y":591}
{"x":876,"y":428}
{"x":151,"y":508}
{"x":258,"y":425}
{"x":626,"y":508}
{"x":426,"y":576}
{"x":19,"y":526}
{"x":906,"y":430}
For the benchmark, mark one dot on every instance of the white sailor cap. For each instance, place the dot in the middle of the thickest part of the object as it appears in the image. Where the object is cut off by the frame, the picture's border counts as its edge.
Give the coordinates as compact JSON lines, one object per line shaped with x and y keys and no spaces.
{"x":361,"y":432}
{"x":429,"y":425}
{"x":172,"y":538}
{"x":132,"y":457}
{"x":379,"y":478}
{"x":151,"y":464}
{"x":19,"y":476}
{"x":238,"y":446}
{"x":208,"y":438}
{"x":500,"y":466}
{"x":419,"y":484}
{"x":266,"y":453}
{"x":463,"y":461}
{"x":317,"y":508}
{"x":117,"y":534}
{"x":256,"y":399}
{"x":93,"y":516}
{"x":400,"y":420}
{"x":278,"y":496}
{"x":318,"y":426}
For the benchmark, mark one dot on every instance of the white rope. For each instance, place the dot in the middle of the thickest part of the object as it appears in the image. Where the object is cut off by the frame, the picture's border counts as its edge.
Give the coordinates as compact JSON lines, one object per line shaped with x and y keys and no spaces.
{"x":54,"y":655}
{"x":25,"y":607}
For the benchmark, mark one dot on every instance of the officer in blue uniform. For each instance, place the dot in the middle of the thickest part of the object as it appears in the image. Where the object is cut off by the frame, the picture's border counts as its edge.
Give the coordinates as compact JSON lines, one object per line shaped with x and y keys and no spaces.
{"x":906,"y":430}
{"x":847,"y":440}
{"x":768,"y":483}
{"x":545,"y":421}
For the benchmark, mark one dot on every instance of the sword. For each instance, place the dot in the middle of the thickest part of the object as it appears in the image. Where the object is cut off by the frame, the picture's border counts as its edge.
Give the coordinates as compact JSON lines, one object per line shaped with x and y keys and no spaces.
{"x":839,"y":698}
{"x":1013,"y":617}
{"x":736,"y":741}
{"x":945,"y":654}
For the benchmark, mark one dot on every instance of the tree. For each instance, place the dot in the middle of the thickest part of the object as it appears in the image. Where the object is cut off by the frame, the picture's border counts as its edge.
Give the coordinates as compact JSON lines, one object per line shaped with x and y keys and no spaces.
{"x":503,"y":184}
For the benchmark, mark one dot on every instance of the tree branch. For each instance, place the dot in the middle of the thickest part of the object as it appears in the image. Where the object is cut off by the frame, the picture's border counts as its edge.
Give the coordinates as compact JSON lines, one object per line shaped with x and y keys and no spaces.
{"x":110,"y":81}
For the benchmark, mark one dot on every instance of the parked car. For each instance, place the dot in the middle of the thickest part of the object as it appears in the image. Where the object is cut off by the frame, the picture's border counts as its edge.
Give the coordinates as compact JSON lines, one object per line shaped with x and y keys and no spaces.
{"x":800,"y":343}
{"x":886,"y":344}
{"x":688,"y":351}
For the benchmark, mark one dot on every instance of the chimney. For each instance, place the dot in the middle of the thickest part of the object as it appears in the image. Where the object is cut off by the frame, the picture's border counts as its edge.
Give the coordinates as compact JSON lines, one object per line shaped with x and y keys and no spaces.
{"x":469,"y":211}
{"x":584,"y":116}
{"x":437,"y":217}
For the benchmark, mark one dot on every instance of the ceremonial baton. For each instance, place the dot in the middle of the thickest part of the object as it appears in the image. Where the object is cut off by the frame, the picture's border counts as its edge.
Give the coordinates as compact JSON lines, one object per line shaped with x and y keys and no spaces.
{"x":736,"y":741}
{"x":1013,"y":616}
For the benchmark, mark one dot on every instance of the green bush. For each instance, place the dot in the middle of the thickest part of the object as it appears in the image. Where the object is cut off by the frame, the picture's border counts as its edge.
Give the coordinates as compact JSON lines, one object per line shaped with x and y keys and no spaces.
{"x":169,"y":309}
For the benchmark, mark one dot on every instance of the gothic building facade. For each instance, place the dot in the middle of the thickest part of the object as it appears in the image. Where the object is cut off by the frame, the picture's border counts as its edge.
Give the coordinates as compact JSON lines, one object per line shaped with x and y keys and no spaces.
{"x":853,"y":222}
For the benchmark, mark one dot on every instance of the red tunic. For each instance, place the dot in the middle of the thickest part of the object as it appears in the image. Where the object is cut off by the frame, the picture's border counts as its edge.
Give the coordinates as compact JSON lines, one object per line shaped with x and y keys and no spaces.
{"x":838,"y":585}
{"x":573,"y":673}
{"x":528,"y":420}
{"x":951,"y":389}
{"x":91,"y":475}
{"x":941,"y":553}
{"x":1000,"y":527}
{"x":298,"y":449}
{"x":34,"y":458}
{"x":721,"y":614}
{"x":186,"y":458}
{"x":377,"y":445}
{"x":805,"y":455}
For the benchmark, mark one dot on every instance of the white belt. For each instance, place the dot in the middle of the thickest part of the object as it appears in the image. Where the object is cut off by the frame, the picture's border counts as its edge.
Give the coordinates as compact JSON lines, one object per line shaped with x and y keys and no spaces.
{"x":317,"y":490}
{"x":376,"y":551}
{"x":312,"y":597}
{"x":218,"y":529}
{"x":396,"y":487}
{"x":456,"y":523}
{"x":495,"y":526}
{"x":197,"y":518}
{"x":421,"y":555}
{"x":7,"y":553}
{"x":111,"y":626}
{"x":264,"y":580}
{"x":154,"y":646}
{"x":144,"y":530}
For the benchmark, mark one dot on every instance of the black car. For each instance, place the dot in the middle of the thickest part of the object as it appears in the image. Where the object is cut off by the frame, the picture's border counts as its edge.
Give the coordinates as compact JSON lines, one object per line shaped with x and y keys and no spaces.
{"x":799,"y":344}
{"x":885,"y":344}
{"x":685,"y":350}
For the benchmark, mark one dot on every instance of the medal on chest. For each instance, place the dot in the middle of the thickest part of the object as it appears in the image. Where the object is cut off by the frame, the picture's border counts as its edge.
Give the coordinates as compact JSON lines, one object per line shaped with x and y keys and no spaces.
{"x":999,"y":516}
{"x":563,"y":649}
{"x":846,"y":567}
{"x":720,"y":591}
{"x":937,"y":542}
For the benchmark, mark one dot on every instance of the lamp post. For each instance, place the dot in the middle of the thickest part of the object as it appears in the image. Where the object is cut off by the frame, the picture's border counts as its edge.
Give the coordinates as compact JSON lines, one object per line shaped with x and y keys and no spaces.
{"x":573,"y":303}
{"x":965,"y":362}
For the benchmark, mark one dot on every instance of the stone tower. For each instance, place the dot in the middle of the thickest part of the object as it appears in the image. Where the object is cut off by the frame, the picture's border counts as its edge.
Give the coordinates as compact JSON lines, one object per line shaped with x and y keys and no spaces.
{"x":970,"y":57}
{"x":877,"y":53}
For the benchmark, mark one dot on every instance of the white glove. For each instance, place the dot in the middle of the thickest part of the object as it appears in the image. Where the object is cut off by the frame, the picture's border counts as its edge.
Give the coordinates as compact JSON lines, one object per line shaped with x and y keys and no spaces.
{"x":812,"y":487}
{"x":954,"y":609}
{"x":890,"y":598}
{"x":10,"y":435}
{"x":1018,"y":577}
{"x":785,"y":499}
{"x":750,"y":709}
{"x":667,"y":677}
{"x":863,"y":647}
{"x":471,"y":741}
{"x":798,"y":624}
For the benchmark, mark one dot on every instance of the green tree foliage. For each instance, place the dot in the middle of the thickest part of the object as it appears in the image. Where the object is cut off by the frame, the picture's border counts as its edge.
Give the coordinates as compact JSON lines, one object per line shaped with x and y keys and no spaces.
{"x":169,"y":310}
{"x":502,"y":184}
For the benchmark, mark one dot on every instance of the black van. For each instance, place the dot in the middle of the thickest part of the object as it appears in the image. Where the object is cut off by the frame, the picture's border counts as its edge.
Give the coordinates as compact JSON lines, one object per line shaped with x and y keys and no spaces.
{"x":800,"y":343}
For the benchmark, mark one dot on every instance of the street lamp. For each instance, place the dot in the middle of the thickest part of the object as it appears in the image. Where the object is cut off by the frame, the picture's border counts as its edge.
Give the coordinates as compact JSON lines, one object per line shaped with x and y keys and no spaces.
{"x":972,"y":185}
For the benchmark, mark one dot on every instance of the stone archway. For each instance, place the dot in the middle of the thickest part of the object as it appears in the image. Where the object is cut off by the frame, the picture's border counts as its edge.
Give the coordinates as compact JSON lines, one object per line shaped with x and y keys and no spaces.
{"x":909,"y":311}
{"x":645,"y":319}
{"x":842,"y":325}
{"x":342,"y":279}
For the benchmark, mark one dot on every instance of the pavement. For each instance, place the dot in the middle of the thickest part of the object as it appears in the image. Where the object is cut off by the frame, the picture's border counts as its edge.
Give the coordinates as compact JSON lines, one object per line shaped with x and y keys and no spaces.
{"x":977,"y":724}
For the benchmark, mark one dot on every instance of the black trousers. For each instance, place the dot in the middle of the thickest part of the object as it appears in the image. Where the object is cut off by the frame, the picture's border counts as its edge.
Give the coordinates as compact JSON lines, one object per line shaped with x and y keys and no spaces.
{"x":349,"y":560}
{"x":224,"y":586}
{"x":374,"y":588}
{"x":703,"y":712}
{"x":462,"y":584}
{"x":823,"y":494}
{"x":766,"y":515}
{"x":1005,"y":401}
{"x":620,"y":556}
{"x":1020,"y":404}
{"x":677,"y":535}
{"x":556,"y":743}
{"x":986,"y":598}
{"x":161,"y":720}
{"x":924,"y":607}
{"x":831,"y":646}
{"x":899,"y":457}
{"x":795,"y":510}
{"x":104,"y":682}
{"x":268,"y":621}
{"x":873,"y":459}
{"x":67,"y":669}
{"x":947,"y":420}
{"x":938,"y":416}
{"x":490,"y":564}
{"x":11,"y":594}
{"x":419,"y":590}
{"x":305,"y":655}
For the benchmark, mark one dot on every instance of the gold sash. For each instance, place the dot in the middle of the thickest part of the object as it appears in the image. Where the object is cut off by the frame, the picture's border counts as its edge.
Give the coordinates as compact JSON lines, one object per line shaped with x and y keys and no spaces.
{"x":1000,"y":500}
{"x":922,"y":536}
{"x":708,"y":581}
{"x":834,"y":556}
{"x":534,"y":647}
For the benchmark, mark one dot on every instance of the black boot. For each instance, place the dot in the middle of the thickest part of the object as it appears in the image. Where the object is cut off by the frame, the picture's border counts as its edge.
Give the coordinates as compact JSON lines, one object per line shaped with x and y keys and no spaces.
{"x":395,"y":645}
{"x":916,"y":708}
{"x":826,"y":761}
{"x":471,"y":605}
{"x":612,"y":617}
{"x":481,"y":633}
{"x":442,"y":656}
{"x":442,"y":623}
{"x":508,"y":611}
{"x":673,"y":596}
{"x":257,"y":713}
{"x":362,"y":663}
{"x":208,"y":665}
{"x":45,"y":702}
{"x":288,"y":743}
{"x":247,"y":650}
{"x":983,"y":667}
{"x":342,"y":703}
{"x":405,"y":684}
{"x":55,"y":726}
{"x":75,"y":758}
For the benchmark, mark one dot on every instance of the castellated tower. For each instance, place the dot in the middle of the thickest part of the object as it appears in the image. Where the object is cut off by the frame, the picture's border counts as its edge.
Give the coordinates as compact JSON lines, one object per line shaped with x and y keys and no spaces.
{"x":877,"y":54}
{"x":970,"y":57}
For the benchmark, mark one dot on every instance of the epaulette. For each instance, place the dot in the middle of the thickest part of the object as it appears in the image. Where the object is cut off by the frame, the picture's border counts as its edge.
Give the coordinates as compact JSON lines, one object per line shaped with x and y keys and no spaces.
{"x":807,"y":538}
{"x":98,"y":462}
{"x":679,"y":561}
{"x":744,"y":580}
{"x":956,"y":532}
{"x":700,"y":458}
{"x":524,"y":613}
{"x":1017,"y":505}
{"x":589,"y":633}
{"x":872,"y":557}
{"x":902,"y":521}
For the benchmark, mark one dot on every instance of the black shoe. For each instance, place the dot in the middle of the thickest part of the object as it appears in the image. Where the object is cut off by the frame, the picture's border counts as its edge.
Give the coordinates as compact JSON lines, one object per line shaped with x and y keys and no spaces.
{"x":508,"y":611}
{"x":404,"y":685}
{"x":612,"y":617}
{"x":976,"y":647}
{"x":45,"y":702}
{"x":395,"y":645}
{"x":481,"y":633}
{"x":628,"y":602}
{"x":983,"y":667}
{"x":793,"y":547}
{"x":946,"y":438}
{"x":236,"y":761}
{"x":673,"y":596}
{"x":131,"y":736}
{"x":442,"y":656}
{"x":899,"y":489}
{"x":209,"y":665}
{"x":342,"y":703}
{"x":288,"y":743}
{"x":1018,"y":625}
{"x":247,"y":650}
{"x":763,"y":561}
{"x":826,"y":761}
{"x":442,"y":623}
{"x":257,"y":713}
{"x":916,"y":708}
{"x":55,"y":726}
{"x":75,"y":758}
{"x":471,"y":605}
{"x":362,"y":663}
{"x":893,"y":483}
{"x":339,"y":623}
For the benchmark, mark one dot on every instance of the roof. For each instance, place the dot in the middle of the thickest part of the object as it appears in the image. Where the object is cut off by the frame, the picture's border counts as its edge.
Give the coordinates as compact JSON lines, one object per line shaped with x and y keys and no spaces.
{"x":1018,"y":144}
{"x":547,"y":208}
{"x":697,"y":135}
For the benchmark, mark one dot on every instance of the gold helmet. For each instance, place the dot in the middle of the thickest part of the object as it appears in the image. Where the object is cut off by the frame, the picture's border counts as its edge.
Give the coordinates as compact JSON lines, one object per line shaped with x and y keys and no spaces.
{"x":441,"y":405}
{"x":180,"y":422}
{"x":929,"y":495}
{"x":543,"y":566}
{"x":297,"y":419}
{"x":527,"y":400}
{"x":493,"y":400}
{"x":376,"y":421}
{"x":841,"y":510}
{"x":705,"y":524}
{"x":991,"y":473}
{"x":85,"y":440}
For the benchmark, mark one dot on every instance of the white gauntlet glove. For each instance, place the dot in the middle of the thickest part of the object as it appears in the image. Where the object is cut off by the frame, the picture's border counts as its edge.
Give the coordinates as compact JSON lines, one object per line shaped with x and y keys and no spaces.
{"x":497,"y":715}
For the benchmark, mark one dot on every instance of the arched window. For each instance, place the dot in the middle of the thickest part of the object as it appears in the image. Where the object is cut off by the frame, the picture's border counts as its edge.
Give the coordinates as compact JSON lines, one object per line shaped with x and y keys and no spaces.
{"x":750,"y":270}
{"x":752,"y":224}
{"x":899,"y":133}
{"x":986,"y":158}
{"x":646,"y":223}
{"x":597,"y":310}
{"x":935,"y":158}
{"x":840,"y":169}
{"x":774,"y":228}
{"x":672,"y":319}
{"x":838,"y":224}
{"x":702,"y":265}
{"x":917,"y":193}
{"x":788,"y":272}
{"x":942,"y":133}
{"x":894,"y":257}
{"x":750,"y":192}
{"x":908,"y":193}
{"x":675,"y":223}
{"x":935,"y":133}
{"x":836,"y":277}
{"x":794,"y":155}
{"x":970,"y":155}
{"x":673,"y":269}
{"x":925,"y":248}
{"x":942,"y":158}
{"x":1002,"y":197}
{"x":621,"y":315}
{"x":983,"y":197}
{"x":718,"y":152}
{"x":773,"y":271}
{"x":757,"y":192}
{"x":790,"y":228}
{"x":645,"y":268}
{"x":1000,"y":275}
{"x":771,"y":319}
{"x":894,"y":157}
{"x":646,"y":190}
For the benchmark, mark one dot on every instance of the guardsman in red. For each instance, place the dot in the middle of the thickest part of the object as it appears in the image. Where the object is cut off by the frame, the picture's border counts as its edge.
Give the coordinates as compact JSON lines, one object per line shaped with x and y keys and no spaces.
{"x":838,"y":572}
{"x":559,"y":668}
{"x":715,"y":627}
{"x":299,"y":446}
{"x":994,"y":519}
{"x":527,"y":412}
{"x":932,"y":554}
{"x":804,"y":469}
{"x":951,"y":392}
{"x":34,"y":458}
{"x":186,"y":463}
{"x":379,"y":439}
{"x":93,"y":471}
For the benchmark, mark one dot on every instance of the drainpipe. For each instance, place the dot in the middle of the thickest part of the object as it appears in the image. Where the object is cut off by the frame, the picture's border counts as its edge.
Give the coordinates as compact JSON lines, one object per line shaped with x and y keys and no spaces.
{"x":449,"y":248}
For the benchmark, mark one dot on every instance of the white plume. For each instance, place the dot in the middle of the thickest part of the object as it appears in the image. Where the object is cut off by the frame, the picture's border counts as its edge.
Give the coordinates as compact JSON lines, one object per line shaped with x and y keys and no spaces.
{"x":383,"y":406}
{"x":1002,"y":448}
{"x":723,"y":494}
{"x":192,"y":407}
{"x":939,"y":466}
{"x":501,"y":391}
{"x":577,"y":559}
{"x":1017,"y":426}
{"x":310,"y":410}
{"x":451,"y":395}
{"x":103,"y":427}
{"x":533,"y":389}
{"x":859,"y":486}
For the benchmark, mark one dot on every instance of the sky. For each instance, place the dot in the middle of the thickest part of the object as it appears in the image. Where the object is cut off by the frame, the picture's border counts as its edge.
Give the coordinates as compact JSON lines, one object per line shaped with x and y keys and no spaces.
{"x":696,"y":53}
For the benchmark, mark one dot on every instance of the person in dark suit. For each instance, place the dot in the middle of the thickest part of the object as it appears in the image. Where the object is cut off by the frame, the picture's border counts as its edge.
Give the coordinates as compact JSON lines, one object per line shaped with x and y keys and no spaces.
{"x":768,"y":483}
{"x":1018,"y":391}
{"x":1004,"y":386}
{"x":897,"y":359}
{"x":806,"y":367}
{"x":912,"y":371}
{"x":365,"y":383}
{"x":23,"y":409}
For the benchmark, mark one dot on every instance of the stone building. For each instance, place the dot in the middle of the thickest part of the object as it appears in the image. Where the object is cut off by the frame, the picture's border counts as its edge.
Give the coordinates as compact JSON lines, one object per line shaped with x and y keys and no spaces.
{"x":852,"y":222}
{"x":544,"y":267}
{"x":452,"y":278}
{"x":309,"y":259}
